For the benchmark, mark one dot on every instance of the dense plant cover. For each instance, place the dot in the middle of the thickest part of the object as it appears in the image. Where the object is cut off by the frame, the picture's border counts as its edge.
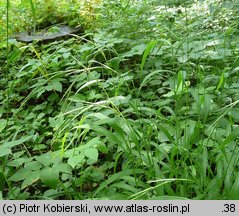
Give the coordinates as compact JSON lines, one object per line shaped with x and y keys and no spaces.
{"x":143,"y":105}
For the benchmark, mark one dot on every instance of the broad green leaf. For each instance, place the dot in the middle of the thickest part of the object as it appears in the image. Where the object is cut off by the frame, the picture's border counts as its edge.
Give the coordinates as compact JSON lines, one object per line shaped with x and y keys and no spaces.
{"x":15,"y":143}
{"x":62,"y":167}
{"x":32,"y":177}
{"x":166,"y":133}
{"x":118,"y":100}
{"x":62,"y":50}
{"x":40,"y":91}
{"x":213,"y":42}
{"x":234,"y":113}
{"x":45,"y":159}
{"x":169,"y":94}
{"x":183,"y":58}
{"x":39,"y":147}
{"x":34,"y":165}
{"x":92,"y":154}
{"x":137,"y":50}
{"x":102,"y":147}
{"x":95,"y":173}
{"x":17,"y":162}
{"x":76,"y":160}
{"x":72,"y":152}
{"x":50,"y":177}
{"x":48,"y":87}
{"x":56,"y":122}
{"x":103,"y":131}
{"x":57,"y":86}
{"x":165,"y":147}
{"x":212,"y":55}
{"x":92,"y":143}
{"x":3,"y":124}
{"x":5,"y":148}
{"x":4,"y":151}
{"x":66,"y":55}
{"x":25,"y":174}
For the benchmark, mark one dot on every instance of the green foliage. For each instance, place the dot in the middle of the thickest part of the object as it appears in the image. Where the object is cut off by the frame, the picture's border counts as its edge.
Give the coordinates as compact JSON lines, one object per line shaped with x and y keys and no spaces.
{"x":145,"y":106}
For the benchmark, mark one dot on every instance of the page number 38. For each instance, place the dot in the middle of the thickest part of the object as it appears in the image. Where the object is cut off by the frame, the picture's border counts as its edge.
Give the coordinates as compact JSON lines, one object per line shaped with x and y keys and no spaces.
{"x":229,"y":208}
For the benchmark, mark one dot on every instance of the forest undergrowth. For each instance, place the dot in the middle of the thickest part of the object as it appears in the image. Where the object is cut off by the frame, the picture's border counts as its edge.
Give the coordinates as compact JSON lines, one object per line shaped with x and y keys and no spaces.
{"x":142,"y":105}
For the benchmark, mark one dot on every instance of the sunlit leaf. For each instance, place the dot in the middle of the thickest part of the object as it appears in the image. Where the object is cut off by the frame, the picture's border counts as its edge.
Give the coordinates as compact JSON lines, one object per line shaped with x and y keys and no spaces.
{"x":76,"y":160}
{"x":92,"y":154}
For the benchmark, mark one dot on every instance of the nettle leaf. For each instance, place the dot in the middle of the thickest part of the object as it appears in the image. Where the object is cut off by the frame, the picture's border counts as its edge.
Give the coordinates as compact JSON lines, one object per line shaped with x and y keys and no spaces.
{"x":50,"y":177}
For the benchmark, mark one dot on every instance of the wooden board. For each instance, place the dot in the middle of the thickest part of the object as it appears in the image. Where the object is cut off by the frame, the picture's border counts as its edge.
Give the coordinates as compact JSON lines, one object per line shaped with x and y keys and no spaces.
{"x":45,"y":36}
